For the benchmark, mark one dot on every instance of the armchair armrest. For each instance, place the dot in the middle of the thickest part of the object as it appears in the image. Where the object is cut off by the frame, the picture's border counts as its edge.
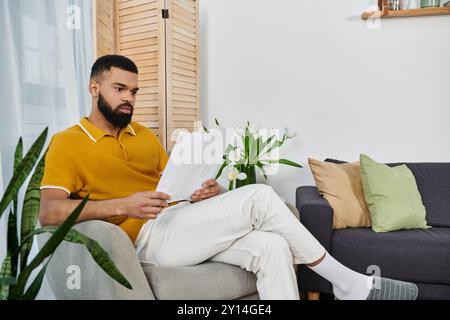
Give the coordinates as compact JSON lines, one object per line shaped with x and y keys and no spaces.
{"x":316,"y":214}
{"x":95,"y":284}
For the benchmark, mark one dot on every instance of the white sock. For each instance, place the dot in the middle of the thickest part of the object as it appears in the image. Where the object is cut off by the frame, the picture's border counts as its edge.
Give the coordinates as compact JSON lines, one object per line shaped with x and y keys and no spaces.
{"x":347,"y":284}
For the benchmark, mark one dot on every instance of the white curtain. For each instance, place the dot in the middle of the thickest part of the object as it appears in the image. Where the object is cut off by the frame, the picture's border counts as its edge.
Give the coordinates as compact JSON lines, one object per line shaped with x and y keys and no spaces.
{"x":45,"y":56}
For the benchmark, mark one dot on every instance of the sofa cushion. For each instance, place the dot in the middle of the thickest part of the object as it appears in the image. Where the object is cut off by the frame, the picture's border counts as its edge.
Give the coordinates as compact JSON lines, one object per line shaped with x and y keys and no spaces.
{"x":392,"y":196}
{"x":433,"y":182}
{"x":209,"y":280}
{"x":340,"y":185}
{"x":419,"y":255}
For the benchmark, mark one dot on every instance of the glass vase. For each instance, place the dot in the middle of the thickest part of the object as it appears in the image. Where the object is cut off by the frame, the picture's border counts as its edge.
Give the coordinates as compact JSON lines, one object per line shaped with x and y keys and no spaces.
{"x":250,"y":171}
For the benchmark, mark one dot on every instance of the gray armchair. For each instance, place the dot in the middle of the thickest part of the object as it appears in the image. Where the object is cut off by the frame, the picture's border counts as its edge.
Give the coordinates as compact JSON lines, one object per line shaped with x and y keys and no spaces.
{"x":209,"y":280}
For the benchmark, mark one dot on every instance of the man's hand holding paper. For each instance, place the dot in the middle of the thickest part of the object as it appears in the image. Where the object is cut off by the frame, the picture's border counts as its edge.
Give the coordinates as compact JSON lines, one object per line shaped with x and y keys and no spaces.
{"x":210,"y":189}
{"x":187,"y":176}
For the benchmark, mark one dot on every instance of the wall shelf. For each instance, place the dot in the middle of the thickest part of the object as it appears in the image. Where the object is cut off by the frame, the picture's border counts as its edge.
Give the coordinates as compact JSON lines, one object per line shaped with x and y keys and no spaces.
{"x":384,"y":12}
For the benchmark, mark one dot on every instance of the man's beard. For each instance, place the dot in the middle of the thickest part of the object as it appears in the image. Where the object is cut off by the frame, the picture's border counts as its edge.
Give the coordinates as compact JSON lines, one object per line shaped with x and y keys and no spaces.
{"x":115,"y":117}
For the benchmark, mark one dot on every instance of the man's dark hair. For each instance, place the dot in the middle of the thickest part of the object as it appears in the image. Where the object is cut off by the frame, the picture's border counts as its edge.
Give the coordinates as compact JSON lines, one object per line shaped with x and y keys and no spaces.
{"x":105,"y":63}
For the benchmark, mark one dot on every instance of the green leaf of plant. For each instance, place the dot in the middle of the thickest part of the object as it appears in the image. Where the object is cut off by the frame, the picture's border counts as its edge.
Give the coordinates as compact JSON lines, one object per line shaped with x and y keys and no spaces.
{"x":35,"y":286}
{"x":7,"y":281}
{"x":48,"y":249}
{"x":18,"y":155}
{"x":100,"y":256}
{"x":265,"y":144}
{"x":252,"y":151}
{"x":246,"y":145}
{"x":276,"y":144}
{"x":5,"y":273}
{"x":12,"y":242}
{"x":284,"y":161}
{"x":230,"y":185}
{"x":290,"y":163}
{"x":261,"y":167}
{"x":219,"y":173}
{"x":12,"y":238}
{"x":22,"y":172}
{"x":30,"y":210}
{"x":217,"y":122}
{"x":259,"y":143}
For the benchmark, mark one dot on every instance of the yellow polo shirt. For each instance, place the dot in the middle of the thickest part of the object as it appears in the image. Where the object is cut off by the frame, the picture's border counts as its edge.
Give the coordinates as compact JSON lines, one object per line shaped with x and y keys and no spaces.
{"x":85,"y":160}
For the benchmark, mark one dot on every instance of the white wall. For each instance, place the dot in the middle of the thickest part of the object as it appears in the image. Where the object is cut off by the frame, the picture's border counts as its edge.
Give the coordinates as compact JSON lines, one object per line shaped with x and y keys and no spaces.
{"x":317,"y":67}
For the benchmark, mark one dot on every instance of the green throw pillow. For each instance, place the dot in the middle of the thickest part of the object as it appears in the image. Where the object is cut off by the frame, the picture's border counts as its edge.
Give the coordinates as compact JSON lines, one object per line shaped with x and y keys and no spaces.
{"x":392,"y":196}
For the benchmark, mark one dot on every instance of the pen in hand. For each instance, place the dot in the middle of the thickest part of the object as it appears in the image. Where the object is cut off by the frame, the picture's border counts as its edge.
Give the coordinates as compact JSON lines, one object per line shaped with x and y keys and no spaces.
{"x":144,"y":205}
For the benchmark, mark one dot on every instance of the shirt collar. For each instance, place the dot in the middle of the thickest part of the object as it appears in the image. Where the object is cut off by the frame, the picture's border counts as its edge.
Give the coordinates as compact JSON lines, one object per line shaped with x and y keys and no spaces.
{"x":95,"y":133}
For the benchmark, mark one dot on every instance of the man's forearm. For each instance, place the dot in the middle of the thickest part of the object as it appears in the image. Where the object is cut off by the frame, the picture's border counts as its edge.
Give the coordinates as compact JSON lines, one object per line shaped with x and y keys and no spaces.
{"x":57,"y":211}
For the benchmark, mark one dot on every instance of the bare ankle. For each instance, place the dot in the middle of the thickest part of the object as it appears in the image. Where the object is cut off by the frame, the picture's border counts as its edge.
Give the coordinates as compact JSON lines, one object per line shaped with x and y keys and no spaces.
{"x":315,"y":263}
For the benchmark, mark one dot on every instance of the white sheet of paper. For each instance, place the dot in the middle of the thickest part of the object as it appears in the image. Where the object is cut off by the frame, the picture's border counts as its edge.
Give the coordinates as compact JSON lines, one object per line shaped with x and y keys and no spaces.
{"x":181,"y":178}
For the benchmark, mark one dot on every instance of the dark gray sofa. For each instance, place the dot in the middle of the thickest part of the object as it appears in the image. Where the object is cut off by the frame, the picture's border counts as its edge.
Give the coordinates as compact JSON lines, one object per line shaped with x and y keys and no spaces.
{"x":419,"y":256}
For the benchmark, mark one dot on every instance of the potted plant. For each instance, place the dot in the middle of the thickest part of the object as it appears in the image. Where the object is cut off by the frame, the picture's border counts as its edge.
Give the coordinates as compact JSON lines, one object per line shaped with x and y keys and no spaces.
{"x":242,"y":161}
{"x":16,"y":270}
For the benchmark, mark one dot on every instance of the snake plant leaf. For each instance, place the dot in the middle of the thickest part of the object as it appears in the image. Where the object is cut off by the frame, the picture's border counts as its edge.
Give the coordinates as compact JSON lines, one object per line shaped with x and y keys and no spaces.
{"x":7,"y":281}
{"x":97,"y":252}
{"x":30,"y":210}
{"x":22,"y":172}
{"x":12,"y":238}
{"x":100,"y":256}
{"x":48,"y":249}
{"x":5,"y":273}
{"x":35,"y":286}
{"x":12,"y":242}
{"x":18,"y":155}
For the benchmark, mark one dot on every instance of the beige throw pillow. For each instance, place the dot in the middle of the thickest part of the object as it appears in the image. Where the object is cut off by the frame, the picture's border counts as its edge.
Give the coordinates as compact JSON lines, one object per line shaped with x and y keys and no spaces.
{"x":341,"y":186}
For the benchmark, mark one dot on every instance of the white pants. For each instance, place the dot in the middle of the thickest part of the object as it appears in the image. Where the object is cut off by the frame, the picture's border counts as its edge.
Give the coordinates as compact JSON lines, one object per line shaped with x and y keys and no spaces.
{"x":250,"y":227}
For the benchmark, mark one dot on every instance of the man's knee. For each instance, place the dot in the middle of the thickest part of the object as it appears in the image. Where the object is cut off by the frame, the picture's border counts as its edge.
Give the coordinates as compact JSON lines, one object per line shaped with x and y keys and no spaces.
{"x":258,"y":188}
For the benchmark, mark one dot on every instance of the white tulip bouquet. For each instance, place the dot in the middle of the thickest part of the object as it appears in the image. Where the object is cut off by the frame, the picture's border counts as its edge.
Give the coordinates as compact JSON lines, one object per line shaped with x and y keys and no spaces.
{"x":240,"y":162}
